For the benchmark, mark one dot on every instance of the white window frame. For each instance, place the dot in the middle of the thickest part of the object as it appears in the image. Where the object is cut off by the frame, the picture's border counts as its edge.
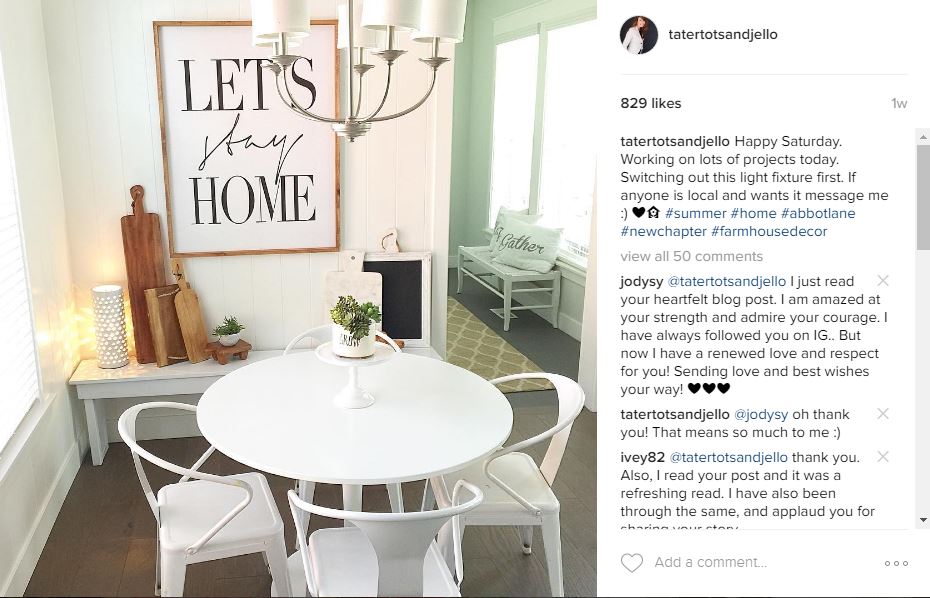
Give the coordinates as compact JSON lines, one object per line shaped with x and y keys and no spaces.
{"x":506,"y":29}
{"x":10,"y":446}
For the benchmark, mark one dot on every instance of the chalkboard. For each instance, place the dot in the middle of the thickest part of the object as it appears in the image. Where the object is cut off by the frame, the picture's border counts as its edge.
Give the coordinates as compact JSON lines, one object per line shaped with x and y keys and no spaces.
{"x":405,"y":294}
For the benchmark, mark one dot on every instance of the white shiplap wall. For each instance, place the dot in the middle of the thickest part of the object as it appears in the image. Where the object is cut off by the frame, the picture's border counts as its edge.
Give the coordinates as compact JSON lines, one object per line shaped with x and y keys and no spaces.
{"x":102,"y":73}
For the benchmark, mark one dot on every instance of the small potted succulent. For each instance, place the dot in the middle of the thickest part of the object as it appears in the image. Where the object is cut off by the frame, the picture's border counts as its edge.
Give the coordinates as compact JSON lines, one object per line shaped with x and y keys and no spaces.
{"x":353,"y":335}
{"x":229,"y":331}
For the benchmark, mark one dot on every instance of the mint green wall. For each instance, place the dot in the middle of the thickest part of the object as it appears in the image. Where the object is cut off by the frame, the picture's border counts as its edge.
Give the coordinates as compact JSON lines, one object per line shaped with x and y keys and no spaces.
{"x":473,"y":108}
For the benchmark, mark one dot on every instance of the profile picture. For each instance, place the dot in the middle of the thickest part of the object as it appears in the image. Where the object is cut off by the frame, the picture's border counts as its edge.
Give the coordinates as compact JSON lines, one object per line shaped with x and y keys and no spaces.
{"x":639,"y":35}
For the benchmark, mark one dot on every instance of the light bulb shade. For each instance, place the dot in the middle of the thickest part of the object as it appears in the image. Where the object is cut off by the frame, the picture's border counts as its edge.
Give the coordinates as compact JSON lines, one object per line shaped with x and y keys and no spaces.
{"x":110,"y":327}
{"x":400,"y":14}
{"x":270,"y":18}
{"x":364,"y":37}
{"x":444,"y":19}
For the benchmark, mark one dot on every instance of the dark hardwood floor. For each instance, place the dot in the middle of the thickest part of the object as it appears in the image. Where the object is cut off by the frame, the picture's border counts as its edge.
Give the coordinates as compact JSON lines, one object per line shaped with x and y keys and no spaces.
{"x":551,"y":349}
{"x":103,"y":542}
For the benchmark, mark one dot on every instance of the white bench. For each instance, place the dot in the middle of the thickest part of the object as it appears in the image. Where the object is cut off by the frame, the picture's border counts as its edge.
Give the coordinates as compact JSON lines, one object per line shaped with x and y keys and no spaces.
{"x":470,"y":258}
{"x":95,"y":386}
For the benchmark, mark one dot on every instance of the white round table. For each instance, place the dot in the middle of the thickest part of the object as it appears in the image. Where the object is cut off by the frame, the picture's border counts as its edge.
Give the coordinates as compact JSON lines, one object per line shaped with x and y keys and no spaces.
{"x":429,"y":418}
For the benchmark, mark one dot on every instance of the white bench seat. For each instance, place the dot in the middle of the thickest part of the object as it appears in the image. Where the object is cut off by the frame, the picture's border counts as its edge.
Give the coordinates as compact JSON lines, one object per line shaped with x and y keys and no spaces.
{"x":475,"y":262}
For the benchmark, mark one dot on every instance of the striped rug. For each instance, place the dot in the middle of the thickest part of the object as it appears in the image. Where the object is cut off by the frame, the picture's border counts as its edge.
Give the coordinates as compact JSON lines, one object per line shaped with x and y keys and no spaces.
{"x":472,"y":345}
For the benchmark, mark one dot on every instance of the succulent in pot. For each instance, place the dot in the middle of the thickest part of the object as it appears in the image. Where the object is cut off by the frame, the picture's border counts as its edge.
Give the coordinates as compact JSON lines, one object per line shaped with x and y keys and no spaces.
{"x":353,"y":333}
{"x":228,"y":331}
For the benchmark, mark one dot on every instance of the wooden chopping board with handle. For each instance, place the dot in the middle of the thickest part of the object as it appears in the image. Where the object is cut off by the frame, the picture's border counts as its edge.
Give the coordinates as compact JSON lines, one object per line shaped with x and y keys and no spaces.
{"x":190,"y":318}
{"x":166,"y":331}
{"x":145,"y":268}
{"x":364,"y":286}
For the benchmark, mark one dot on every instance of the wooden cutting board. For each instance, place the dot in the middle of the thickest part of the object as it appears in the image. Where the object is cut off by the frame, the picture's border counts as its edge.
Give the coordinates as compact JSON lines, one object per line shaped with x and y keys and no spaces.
{"x":190,"y":318}
{"x":145,"y":269}
{"x":364,"y":286}
{"x":166,"y":331}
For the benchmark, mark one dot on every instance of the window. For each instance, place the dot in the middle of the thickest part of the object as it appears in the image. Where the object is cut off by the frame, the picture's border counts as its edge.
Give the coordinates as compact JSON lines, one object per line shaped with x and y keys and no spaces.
{"x":543,"y":157}
{"x":514,"y":122}
{"x":569,"y":145}
{"x":19,"y":381}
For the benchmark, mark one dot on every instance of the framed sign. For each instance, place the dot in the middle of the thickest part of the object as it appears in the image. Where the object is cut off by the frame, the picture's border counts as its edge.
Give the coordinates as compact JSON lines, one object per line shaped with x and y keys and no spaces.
{"x":243,"y":173}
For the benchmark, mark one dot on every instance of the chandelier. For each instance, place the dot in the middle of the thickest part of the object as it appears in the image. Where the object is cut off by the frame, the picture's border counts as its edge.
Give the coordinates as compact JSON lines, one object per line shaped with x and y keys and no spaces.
{"x":372,"y":26}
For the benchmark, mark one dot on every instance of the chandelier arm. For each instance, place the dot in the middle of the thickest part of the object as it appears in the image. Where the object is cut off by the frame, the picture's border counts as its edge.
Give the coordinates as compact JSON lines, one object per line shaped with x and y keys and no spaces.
{"x":290,"y":102}
{"x":426,"y":96}
{"x":387,"y":88}
{"x":358,"y":104}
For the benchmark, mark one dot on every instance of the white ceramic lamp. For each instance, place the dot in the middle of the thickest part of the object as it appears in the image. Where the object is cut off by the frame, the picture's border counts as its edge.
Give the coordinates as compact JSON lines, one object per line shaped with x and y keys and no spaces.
{"x":443,"y":19}
{"x":364,"y":37}
{"x":271,"y":18}
{"x":400,"y":14}
{"x":110,"y":326}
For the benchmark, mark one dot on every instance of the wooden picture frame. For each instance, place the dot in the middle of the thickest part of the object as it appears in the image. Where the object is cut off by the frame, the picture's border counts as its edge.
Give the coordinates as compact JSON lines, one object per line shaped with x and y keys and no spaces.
{"x":215,"y":103}
{"x":406,"y":294}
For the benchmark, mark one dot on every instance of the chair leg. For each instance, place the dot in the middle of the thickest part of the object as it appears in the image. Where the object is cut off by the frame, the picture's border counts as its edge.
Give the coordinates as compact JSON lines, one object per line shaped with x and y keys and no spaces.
{"x":461,"y":276}
{"x":305,"y":492}
{"x":429,"y":497}
{"x":556,"y":297}
{"x":552,"y":542}
{"x":508,"y":297}
{"x":526,"y":532}
{"x":276,"y":557}
{"x":396,"y":496}
{"x":173,"y":570}
{"x":157,"y":564}
{"x":445,"y":540}
{"x":351,"y":500}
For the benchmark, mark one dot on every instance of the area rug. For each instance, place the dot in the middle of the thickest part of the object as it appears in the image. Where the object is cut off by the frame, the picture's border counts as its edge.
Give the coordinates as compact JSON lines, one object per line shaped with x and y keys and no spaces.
{"x":472,"y":345}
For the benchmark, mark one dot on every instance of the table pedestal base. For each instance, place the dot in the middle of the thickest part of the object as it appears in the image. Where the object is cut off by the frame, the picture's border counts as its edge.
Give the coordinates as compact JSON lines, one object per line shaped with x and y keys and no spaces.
{"x":352,"y":396}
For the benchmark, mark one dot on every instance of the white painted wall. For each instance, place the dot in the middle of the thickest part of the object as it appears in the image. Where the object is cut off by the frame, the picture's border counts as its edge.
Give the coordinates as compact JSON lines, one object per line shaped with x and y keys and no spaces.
{"x":39,"y":464}
{"x":105,"y":97}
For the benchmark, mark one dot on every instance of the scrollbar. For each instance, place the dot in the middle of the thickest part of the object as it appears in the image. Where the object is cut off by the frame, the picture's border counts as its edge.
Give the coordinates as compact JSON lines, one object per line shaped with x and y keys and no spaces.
{"x":922,"y":288}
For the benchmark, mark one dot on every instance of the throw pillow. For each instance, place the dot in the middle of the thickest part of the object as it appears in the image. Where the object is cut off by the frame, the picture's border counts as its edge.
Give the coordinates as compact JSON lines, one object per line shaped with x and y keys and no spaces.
{"x":500,"y":223}
{"x":528,"y":246}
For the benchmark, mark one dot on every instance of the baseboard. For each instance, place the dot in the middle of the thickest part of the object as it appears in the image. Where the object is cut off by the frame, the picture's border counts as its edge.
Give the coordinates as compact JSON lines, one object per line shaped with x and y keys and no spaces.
{"x":570,"y":326}
{"x":28,"y":557}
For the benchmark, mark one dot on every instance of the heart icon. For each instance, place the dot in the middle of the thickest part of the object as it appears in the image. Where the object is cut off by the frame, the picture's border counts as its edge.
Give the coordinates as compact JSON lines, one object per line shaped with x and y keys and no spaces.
{"x":723,"y":387}
{"x":631,"y":562}
{"x":694,"y":387}
{"x":709,"y":387}
{"x":638,"y":212}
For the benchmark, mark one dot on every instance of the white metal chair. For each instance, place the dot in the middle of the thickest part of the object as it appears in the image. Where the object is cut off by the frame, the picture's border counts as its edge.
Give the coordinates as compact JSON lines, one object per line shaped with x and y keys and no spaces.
{"x":214,"y":517}
{"x":305,"y":489}
{"x":517,"y":491}
{"x":381,"y":554}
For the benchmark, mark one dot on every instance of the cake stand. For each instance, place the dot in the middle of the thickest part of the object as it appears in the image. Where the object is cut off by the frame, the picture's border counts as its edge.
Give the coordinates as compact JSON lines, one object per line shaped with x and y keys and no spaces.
{"x":352,"y":396}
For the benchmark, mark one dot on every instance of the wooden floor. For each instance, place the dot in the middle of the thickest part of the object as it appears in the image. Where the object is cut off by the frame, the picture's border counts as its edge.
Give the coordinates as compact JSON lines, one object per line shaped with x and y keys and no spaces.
{"x":103,"y":542}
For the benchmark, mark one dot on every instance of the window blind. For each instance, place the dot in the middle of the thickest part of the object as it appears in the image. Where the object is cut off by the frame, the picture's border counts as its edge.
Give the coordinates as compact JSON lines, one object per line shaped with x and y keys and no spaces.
{"x":19,"y":380}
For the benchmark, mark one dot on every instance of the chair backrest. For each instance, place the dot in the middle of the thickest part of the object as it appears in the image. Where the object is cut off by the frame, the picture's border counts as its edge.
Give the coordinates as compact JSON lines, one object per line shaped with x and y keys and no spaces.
{"x":400,"y":540}
{"x":127,"y":430}
{"x":323,"y":333}
{"x":571,"y":401}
